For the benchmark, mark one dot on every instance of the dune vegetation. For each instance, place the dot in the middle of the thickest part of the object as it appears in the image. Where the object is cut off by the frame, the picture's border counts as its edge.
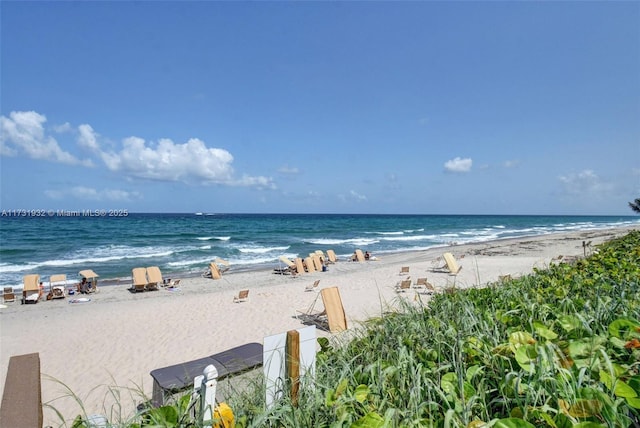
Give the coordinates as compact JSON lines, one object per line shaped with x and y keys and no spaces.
{"x":557,"y":348}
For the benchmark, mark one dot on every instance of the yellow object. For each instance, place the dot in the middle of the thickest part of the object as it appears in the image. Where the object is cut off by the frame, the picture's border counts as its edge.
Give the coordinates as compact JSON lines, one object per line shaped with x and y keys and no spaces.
{"x":223,"y":416}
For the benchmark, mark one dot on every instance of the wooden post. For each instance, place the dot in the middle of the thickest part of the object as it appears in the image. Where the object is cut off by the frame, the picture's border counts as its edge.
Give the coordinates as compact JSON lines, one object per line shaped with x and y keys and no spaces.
{"x":293,"y":363}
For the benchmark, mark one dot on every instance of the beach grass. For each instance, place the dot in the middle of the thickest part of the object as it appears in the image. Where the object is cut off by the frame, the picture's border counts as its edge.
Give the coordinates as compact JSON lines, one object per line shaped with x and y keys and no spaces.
{"x":557,"y":348}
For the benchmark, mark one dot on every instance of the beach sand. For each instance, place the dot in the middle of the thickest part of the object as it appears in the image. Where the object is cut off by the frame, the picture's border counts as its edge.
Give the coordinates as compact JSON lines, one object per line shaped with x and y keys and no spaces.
{"x":114,"y":341}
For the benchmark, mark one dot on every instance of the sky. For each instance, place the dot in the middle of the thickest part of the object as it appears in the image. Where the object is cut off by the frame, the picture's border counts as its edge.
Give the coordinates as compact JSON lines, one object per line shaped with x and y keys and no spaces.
{"x":320,"y":107}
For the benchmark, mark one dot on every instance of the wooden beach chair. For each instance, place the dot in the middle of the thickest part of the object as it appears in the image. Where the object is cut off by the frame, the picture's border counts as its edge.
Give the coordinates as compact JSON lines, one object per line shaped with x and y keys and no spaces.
{"x":242,"y":296}
{"x":331,"y":256}
{"x":290,"y":267}
{"x":139,"y":279}
{"x":450,"y":265}
{"x":214,"y":271}
{"x":403,"y":285}
{"x":8,"y":295}
{"x":92,"y":280}
{"x":312,"y":287}
{"x":31,"y":291}
{"x":154,"y":276}
{"x":404,"y":270}
{"x":359,"y":255}
{"x":57,"y":286}
{"x":299,"y":265}
{"x":332,"y":317}
{"x":424,"y":286}
{"x":308,"y":262}
{"x":317,"y":263}
{"x":223,"y":265}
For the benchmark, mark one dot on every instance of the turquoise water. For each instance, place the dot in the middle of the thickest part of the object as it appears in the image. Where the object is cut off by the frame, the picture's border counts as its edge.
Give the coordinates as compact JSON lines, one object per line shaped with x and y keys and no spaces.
{"x":184,"y":244}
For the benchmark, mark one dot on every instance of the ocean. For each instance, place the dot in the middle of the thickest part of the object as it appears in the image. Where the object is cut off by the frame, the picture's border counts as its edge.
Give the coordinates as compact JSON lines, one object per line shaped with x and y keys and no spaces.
{"x":184,"y":244}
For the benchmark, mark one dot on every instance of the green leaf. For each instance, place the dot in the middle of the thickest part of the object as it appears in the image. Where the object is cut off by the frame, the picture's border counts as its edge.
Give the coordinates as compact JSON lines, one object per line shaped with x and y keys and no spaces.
{"x":526,"y":357}
{"x":589,"y":425}
{"x":513,"y":423}
{"x":569,"y":323}
{"x":370,"y":420}
{"x":521,"y":338}
{"x":619,"y":387}
{"x":619,"y":327}
{"x":448,"y":382}
{"x":361,"y":393}
{"x":543,"y":331}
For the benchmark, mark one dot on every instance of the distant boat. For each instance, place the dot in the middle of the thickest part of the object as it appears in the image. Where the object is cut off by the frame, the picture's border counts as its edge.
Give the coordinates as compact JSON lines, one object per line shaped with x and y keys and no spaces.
{"x":198,"y":213}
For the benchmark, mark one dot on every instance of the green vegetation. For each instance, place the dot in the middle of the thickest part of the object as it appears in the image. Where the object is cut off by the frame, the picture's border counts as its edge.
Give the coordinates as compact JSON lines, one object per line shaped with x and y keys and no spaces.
{"x":557,"y":348}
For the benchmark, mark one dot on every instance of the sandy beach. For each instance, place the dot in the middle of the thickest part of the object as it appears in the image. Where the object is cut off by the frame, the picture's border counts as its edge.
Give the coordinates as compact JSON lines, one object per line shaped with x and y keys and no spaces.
{"x":118,"y":337}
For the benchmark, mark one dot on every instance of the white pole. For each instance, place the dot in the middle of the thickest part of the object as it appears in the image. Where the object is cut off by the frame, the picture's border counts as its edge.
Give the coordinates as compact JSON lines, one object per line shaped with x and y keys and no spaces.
{"x":208,"y":392}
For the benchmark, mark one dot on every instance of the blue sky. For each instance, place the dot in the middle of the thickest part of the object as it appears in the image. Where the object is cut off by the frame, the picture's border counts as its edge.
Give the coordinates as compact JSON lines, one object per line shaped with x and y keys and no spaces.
{"x":321,"y":107}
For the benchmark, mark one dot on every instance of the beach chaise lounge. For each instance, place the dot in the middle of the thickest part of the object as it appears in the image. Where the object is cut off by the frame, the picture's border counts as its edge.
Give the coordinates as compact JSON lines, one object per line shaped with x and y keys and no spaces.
{"x":359,"y":255}
{"x":154,"y":276}
{"x":403,"y":285}
{"x":331,"y":256}
{"x":215,"y":271}
{"x":404,"y":270}
{"x":289,"y":267}
{"x":176,"y":378}
{"x":332,"y":317}
{"x":57,"y":286}
{"x":312,"y":287}
{"x":31,"y":291}
{"x":92,"y":279}
{"x":242,"y":296}
{"x":320,"y":254}
{"x":299,"y":265}
{"x":424,"y":286}
{"x":452,"y":265}
{"x":139,"y":278}
{"x":223,"y":265}
{"x":8,"y":295}
{"x":173,"y":283}
{"x":308,"y":262}
{"x":317,"y":262}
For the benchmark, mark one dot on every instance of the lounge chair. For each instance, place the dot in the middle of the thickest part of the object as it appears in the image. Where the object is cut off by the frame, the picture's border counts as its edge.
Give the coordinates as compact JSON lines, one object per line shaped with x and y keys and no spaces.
{"x":57,"y":286}
{"x":242,"y":296}
{"x":450,"y":265}
{"x":173,"y":283}
{"x":312,"y":287}
{"x":331,"y":256}
{"x":31,"y":291}
{"x":8,"y":295}
{"x":154,"y":276}
{"x":92,"y":279}
{"x":317,"y":263}
{"x":223,"y":265}
{"x":320,"y":254}
{"x":290,"y":267}
{"x":403,"y":286}
{"x":299,"y":265}
{"x":308,"y":262}
{"x":404,"y":270}
{"x":332,"y":317}
{"x":214,"y":271}
{"x":359,"y":256}
{"x":139,"y":278}
{"x":423,"y":284}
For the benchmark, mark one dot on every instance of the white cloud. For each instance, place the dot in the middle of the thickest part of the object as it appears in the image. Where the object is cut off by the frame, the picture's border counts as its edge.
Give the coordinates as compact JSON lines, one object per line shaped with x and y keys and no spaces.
{"x":286,"y":169}
{"x":584,"y":183}
{"x":458,"y":165}
{"x":23,"y":131}
{"x":91,"y":194}
{"x":511,"y":163}
{"x":357,"y":196}
{"x":168,"y":161}
{"x":87,"y":137}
